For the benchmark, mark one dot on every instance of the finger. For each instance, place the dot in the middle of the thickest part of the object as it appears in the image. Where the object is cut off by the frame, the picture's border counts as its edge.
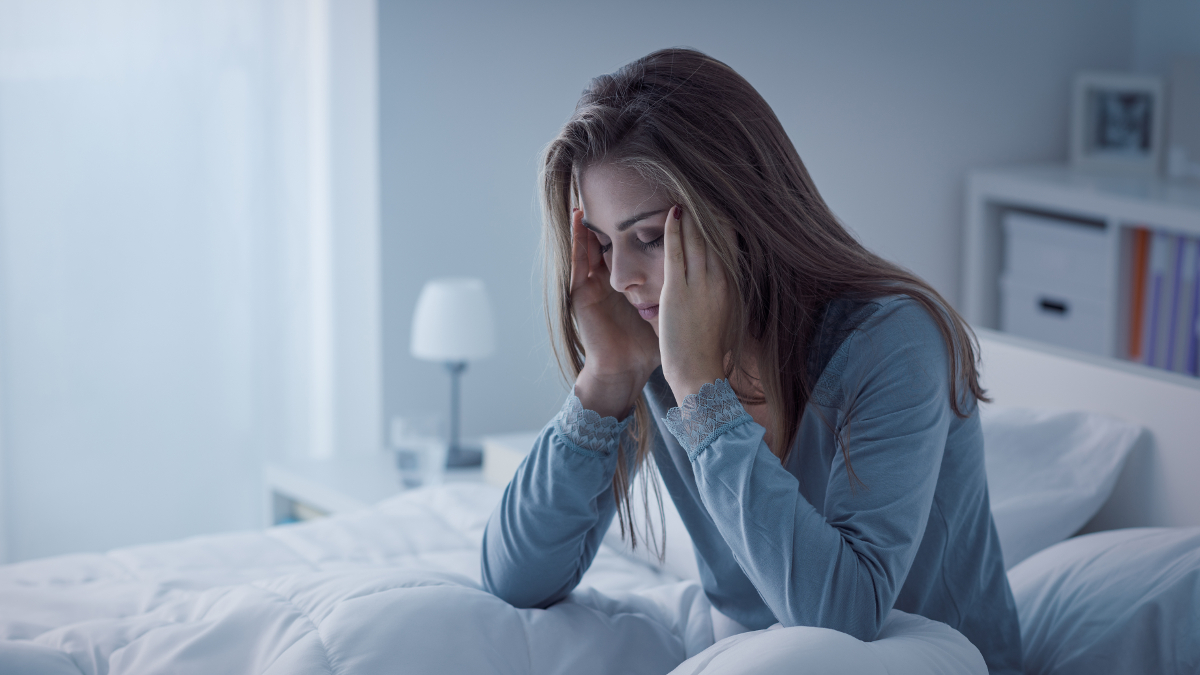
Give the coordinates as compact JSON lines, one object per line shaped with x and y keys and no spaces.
{"x":715,"y":270}
{"x":579,"y":250}
{"x":694,"y":248}
{"x":596,"y":264}
{"x":674,"y":264}
{"x":599,"y":272}
{"x":597,"y":267}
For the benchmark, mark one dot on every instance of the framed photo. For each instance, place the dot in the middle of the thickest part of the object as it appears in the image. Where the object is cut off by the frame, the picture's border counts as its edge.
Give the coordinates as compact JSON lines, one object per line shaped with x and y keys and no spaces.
{"x":1117,"y":123}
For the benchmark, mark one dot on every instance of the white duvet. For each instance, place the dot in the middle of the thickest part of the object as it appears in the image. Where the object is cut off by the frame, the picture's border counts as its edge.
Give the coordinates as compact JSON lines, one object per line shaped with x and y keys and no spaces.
{"x":396,"y":588}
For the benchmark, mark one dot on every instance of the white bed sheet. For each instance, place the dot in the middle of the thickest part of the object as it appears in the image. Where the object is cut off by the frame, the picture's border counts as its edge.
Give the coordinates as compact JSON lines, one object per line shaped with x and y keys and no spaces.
{"x":392,"y":587}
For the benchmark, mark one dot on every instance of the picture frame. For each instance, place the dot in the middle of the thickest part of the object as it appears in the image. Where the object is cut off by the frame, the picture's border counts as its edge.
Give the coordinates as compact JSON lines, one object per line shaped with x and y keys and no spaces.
{"x":1117,"y":123}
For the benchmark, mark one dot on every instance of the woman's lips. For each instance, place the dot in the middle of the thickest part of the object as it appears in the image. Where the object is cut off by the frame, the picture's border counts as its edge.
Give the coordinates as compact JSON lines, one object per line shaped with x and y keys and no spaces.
{"x":648,"y":312}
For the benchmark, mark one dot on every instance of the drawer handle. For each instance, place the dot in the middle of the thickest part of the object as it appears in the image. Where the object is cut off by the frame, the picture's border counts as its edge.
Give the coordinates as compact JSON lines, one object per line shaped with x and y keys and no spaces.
{"x":1049,"y":306}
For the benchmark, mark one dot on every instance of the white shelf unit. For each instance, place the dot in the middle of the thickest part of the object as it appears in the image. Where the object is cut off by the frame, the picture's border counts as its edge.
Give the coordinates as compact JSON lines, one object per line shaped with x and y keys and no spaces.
{"x":1116,"y":204}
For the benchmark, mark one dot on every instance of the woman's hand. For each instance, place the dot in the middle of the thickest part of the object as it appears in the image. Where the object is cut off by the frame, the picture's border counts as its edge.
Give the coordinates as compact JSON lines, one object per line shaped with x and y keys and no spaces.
{"x":621,"y":347}
{"x":692,"y":310}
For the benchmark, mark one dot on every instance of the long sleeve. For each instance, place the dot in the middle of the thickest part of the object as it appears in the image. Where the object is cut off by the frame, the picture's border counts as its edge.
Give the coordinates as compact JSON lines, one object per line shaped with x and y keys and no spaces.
{"x":841,"y":567}
{"x":554,"y":513}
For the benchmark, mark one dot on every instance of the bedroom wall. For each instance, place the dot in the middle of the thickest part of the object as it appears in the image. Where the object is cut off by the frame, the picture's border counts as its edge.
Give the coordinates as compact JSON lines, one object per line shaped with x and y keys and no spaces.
{"x":1162,"y":30}
{"x":164,"y":171}
{"x":888,"y":103}
{"x":127,"y":300}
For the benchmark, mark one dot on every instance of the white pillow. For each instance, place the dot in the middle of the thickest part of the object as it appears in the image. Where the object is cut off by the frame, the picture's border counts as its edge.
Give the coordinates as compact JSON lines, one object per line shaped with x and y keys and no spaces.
{"x":1048,"y":473}
{"x":1123,"y":601}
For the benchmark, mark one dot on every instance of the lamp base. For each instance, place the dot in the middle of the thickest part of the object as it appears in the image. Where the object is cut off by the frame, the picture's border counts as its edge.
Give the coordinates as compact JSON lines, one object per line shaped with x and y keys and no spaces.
{"x":463,"y":456}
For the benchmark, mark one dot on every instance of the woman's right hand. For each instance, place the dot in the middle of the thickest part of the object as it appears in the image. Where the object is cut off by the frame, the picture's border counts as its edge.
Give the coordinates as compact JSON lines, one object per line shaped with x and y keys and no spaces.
{"x":621,"y":348}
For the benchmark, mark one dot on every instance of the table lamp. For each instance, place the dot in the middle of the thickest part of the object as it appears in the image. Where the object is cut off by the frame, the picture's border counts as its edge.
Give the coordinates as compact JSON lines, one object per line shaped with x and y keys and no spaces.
{"x":453,"y":325}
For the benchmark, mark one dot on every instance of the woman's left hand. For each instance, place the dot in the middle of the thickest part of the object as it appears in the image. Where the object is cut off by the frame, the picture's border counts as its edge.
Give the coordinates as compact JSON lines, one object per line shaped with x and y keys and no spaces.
{"x":693,"y":308}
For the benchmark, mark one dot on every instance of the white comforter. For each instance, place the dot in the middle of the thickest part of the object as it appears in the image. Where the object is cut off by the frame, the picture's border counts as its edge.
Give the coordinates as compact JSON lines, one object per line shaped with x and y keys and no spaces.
{"x":396,"y":589}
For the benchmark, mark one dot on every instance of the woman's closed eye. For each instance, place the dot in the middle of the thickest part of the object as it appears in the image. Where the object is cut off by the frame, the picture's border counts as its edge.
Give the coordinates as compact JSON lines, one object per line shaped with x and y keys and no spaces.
{"x":647,"y":245}
{"x":644,"y":245}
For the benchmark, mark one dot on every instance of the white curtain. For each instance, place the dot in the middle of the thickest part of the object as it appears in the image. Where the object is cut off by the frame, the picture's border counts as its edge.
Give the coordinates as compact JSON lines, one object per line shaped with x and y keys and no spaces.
{"x":187,"y":260}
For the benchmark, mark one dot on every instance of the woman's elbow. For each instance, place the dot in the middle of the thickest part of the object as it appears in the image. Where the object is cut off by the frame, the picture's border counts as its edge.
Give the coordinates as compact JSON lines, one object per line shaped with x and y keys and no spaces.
{"x":499,"y":580}
{"x":859,"y":615}
{"x":518,"y":593}
{"x":515,"y":589}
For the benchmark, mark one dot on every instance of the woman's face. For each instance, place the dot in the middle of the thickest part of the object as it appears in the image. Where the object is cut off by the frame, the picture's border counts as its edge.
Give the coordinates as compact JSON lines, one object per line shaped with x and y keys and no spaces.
{"x":628,"y":215}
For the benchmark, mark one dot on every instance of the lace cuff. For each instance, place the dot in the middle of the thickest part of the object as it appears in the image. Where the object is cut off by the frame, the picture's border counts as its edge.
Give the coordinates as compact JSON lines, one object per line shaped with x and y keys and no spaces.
{"x":585,"y":431}
{"x":704,"y":416}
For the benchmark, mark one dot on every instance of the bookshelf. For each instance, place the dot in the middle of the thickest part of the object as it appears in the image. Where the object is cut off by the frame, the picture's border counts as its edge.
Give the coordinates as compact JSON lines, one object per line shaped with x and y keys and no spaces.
{"x":1116,"y":206}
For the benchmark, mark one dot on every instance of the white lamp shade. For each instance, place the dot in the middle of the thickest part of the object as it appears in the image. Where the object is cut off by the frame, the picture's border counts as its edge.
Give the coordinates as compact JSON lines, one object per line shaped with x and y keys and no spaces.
{"x":453,"y":321}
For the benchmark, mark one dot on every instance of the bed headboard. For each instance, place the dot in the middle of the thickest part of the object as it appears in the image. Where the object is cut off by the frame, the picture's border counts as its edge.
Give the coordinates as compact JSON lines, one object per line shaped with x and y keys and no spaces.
{"x":1160,"y":485}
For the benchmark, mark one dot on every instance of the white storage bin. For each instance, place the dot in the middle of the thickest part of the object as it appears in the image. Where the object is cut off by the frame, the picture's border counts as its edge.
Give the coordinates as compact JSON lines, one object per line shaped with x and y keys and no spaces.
{"x":1057,"y":255}
{"x":1067,"y":319}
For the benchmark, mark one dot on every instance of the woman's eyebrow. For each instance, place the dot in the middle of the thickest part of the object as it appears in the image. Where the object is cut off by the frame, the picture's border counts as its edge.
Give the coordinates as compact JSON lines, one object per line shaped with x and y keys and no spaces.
{"x":628,"y":222}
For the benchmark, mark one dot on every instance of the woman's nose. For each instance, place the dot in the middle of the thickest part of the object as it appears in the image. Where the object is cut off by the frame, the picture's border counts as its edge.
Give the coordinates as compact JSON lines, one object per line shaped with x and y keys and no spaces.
{"x":624,"y":273}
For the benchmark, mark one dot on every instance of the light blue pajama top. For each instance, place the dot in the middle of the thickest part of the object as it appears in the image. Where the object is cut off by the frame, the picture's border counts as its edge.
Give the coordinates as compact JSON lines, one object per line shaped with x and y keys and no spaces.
{"x":797,"y":544}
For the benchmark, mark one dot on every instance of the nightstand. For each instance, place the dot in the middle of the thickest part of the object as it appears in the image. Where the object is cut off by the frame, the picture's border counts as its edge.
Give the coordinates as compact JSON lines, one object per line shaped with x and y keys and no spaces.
{"x":503,"y":453}
{"x":303,"y":489}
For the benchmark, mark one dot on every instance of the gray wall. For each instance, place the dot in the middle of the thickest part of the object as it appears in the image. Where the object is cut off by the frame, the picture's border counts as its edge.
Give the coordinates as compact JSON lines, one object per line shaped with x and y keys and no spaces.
{"x":889,"y":103}
{"x":1162,"y":30}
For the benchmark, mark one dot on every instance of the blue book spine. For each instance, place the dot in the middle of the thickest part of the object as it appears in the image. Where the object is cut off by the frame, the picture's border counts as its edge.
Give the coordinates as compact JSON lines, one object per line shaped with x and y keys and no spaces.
{"x":1173,"y":305}
{"x":1154,"y":292}
{"x":1184,"y":327}
{"x":1193,"y":357}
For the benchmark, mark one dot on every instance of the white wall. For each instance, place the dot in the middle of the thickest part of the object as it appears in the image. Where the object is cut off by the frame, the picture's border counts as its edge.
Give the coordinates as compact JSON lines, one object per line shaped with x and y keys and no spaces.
{"x":159,"y":260}
{"x":354,"y":135}
{"x":889,"y":103}
{"x":129,"y":288}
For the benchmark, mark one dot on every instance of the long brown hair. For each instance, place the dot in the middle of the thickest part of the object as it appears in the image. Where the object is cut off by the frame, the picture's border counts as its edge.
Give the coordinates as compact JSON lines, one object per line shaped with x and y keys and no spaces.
{"x":690,"y":124}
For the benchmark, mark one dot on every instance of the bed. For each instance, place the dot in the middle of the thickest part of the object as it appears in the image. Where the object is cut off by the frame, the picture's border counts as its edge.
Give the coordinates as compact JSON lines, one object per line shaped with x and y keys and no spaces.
{"x":1105,"y":450}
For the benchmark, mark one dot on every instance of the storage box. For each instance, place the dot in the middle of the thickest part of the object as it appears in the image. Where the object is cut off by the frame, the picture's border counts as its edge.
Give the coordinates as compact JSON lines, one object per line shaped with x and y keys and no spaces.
{"x":1057,"y":255}
{"x":1057,"y":282}
{"x":1068,"y":319}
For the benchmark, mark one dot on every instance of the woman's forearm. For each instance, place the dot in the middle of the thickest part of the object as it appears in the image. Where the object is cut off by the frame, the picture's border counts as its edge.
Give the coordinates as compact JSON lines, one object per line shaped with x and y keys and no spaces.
{"x":808,"y":571}
{"x":550,"y":522}
{"x":840,"y":566}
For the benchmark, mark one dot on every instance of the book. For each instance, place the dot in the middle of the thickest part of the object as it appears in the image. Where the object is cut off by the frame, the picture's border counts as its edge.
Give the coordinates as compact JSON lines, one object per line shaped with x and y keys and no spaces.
{"x":1167,"y":303}
{"x":1153,"y":324}
{"x":1137,"y":304}
{"x":1182,"y":321}
{"x":1193,"y":350}
{"x":1171,"y":301}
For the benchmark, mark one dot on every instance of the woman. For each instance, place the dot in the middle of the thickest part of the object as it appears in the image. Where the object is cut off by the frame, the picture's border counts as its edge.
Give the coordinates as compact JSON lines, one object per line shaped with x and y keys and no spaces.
{"x":810,"y":407}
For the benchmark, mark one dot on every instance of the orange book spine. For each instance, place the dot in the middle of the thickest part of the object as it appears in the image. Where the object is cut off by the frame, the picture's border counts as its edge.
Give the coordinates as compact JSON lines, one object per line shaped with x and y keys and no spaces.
{"x":1141,"y":251}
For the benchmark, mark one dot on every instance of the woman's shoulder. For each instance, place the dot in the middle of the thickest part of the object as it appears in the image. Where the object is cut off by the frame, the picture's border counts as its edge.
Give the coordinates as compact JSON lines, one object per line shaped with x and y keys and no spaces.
{"x":887,"y":319}
{"x":900,"y":317}
{"x":878,"y":333}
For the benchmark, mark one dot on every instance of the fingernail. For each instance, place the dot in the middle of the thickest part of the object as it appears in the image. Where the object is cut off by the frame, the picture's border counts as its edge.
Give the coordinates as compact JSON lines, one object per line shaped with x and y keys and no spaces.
{"x":678,"y":212}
